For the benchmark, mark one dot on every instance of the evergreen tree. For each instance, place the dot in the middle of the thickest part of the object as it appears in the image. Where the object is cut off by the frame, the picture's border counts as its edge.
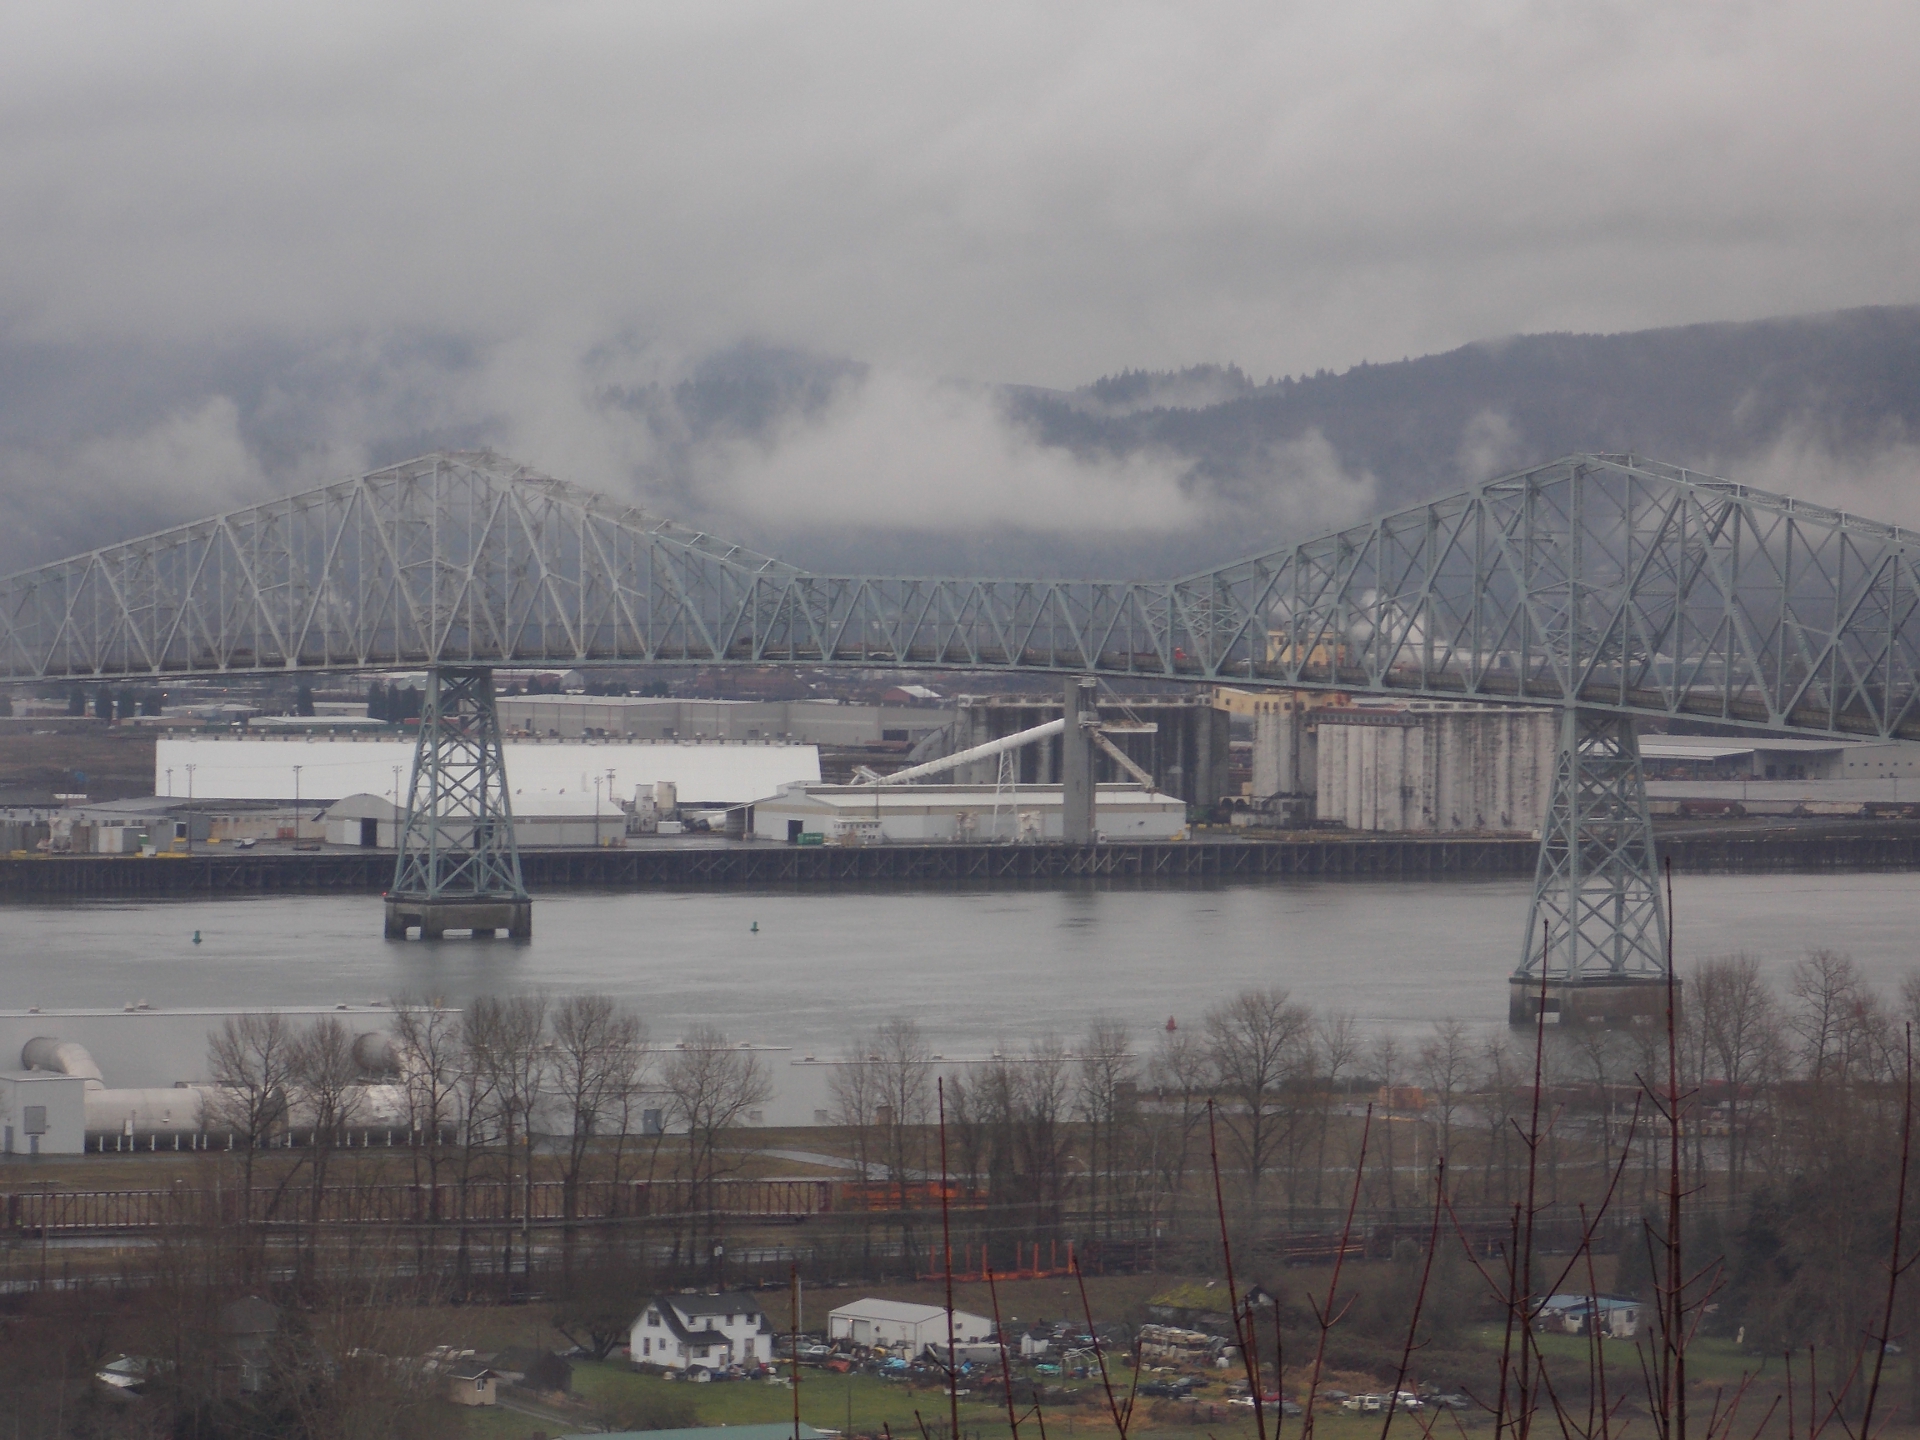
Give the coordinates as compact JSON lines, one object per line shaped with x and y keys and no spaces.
{"x":303,"y":699}
{"x":76,"y":701}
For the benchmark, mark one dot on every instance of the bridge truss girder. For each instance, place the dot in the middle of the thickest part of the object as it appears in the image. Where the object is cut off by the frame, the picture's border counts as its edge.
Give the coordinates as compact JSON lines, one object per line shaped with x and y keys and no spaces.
{"x":1602,"y":584}
{"x":1607,"y":582}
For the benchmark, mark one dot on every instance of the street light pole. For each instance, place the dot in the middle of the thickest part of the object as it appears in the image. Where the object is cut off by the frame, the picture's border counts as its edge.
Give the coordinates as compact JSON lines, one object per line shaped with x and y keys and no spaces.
{"x":296,"y":805}
{"x":190,"y":770}
{"x":596,"y":812}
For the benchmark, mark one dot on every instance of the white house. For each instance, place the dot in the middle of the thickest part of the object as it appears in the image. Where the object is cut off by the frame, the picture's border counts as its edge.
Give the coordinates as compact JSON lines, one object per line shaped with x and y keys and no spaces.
{"x":894,"y":1323}
{"x":702,"y":1332}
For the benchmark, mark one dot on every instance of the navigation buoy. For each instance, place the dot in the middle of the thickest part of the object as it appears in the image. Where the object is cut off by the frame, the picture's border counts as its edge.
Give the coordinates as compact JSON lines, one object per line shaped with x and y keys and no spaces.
{"x":196,"y":937}
{"x":756,"y":927}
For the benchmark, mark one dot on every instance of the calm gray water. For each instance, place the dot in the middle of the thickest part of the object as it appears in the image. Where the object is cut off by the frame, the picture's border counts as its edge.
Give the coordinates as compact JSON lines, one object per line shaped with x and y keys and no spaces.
{"x":975,"y":968}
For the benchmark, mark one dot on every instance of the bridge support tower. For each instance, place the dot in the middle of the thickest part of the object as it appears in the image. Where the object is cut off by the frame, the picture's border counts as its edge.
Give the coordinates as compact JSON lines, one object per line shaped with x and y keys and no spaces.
{"x":1596,"y":945}
{"x":458,"y":867}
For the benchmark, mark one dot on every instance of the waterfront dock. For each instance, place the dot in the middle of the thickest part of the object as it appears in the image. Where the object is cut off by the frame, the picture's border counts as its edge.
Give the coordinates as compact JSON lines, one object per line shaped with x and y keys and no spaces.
{"x":1803,"y":846}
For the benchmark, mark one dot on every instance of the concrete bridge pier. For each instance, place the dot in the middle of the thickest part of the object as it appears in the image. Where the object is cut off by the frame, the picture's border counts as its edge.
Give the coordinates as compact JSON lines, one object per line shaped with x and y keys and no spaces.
{"x":1614,"y":1003}
{"x":482,"y":919}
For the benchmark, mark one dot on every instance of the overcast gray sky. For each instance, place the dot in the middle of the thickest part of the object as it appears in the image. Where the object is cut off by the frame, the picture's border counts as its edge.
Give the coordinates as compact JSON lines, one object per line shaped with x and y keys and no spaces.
{"x":586,"y":194}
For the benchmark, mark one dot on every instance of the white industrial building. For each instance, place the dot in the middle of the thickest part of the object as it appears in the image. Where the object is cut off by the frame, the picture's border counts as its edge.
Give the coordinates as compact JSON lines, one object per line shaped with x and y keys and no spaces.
{"x":333,"y":767}
{"x":1434,"y":766}
{"x":1765,"y":757}
{"x":42,"y":1113}
{"x":808,"y":722}
{"x":373,"y":822}
{"x":874,"y":814}
{"x":897,"y":1323}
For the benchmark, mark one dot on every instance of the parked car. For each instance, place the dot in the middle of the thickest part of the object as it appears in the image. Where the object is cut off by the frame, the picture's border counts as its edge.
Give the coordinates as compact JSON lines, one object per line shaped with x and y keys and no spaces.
{"x":1364,"y":1404}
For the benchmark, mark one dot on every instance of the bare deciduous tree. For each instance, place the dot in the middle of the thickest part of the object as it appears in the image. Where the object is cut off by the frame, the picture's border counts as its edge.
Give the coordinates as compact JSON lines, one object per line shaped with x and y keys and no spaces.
{"x":1740,"y":1031}
{"x":325,"y":1087}
{"x":427,"y":1038}
{"x":506,"y":1043}
{"x":1179,"y":1074}
{"x":1257,"y":1042}
{"x":599,"y":1055}
{"x":711,"y":1086}
{"x":903,"y":1096}
{"x":250,"y":1058}
{"x":1446,"y":1063}
{"x":1105,"y":1096}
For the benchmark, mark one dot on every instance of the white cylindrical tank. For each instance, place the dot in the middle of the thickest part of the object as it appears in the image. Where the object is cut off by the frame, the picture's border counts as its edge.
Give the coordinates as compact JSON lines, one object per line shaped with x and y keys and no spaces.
{"x":174,"y":1110}
{"x":375,"y":1053}
{"x":369,"y":1107}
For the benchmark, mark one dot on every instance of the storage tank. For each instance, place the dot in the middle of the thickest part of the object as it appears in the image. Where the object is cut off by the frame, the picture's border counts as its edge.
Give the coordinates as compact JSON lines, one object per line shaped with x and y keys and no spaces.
{"x":173,"y":1110}
{"x":375,"y":1053}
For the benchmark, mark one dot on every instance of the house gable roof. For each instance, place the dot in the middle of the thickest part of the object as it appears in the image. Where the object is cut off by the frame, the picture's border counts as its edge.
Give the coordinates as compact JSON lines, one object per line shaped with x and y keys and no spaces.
{"x":682,"y":1314}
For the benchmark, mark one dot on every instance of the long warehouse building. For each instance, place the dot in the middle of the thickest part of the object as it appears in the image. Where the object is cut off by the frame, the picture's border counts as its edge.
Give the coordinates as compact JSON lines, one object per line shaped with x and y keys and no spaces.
{"x":331,"y":768}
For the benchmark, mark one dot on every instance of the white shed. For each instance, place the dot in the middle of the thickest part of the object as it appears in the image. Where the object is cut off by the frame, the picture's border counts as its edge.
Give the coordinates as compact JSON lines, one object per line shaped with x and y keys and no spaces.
{"x":42,"y":1113}
{"x":894,"y":1322}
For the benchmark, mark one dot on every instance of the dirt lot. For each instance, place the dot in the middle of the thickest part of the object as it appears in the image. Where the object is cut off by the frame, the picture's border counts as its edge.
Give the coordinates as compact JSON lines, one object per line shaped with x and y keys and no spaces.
{"x":101,"y":762}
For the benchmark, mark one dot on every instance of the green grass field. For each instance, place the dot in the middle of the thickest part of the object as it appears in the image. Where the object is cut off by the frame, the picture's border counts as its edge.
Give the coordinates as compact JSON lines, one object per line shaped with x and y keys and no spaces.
{"x":867,"y":1406}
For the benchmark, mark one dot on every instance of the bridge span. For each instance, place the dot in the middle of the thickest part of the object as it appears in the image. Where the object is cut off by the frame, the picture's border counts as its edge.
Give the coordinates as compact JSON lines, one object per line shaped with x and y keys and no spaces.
{"x":1609,"y":586}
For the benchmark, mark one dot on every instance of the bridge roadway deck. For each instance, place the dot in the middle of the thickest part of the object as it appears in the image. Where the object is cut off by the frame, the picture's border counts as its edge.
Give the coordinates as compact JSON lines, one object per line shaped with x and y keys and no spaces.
{"x":1801,"y":846}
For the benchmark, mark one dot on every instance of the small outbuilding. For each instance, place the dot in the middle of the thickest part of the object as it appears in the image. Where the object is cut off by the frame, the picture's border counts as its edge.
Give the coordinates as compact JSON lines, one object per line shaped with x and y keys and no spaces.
{"x":367,"y":822}
{"x":897,"y":1323}
{"x":1615,"y":1317}
{"x":473,"y":1385}
{"x":42,"y":1112}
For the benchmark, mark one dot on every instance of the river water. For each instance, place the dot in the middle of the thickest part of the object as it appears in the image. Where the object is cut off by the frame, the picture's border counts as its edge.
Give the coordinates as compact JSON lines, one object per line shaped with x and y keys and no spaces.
{"x":975,"y":968}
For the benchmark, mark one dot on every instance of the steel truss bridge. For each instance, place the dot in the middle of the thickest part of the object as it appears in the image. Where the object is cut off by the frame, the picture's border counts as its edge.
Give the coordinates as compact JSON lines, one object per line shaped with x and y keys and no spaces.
{"x":1609,"y":586}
